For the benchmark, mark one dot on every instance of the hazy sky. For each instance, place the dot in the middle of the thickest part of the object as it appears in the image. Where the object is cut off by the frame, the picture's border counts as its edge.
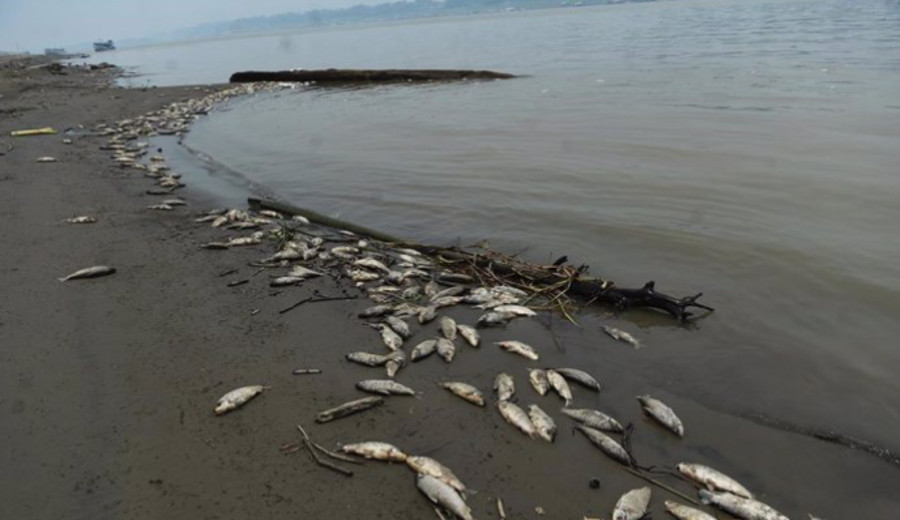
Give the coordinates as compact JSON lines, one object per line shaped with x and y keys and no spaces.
{"x":36,"y":24}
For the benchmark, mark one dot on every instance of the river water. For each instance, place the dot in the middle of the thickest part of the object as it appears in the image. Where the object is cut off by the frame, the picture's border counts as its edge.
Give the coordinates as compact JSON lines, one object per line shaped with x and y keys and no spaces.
{"x":749,"y":150}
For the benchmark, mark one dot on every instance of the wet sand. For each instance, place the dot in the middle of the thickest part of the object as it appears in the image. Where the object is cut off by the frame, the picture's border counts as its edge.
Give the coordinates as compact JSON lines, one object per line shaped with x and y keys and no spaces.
{"x":107,"y":386}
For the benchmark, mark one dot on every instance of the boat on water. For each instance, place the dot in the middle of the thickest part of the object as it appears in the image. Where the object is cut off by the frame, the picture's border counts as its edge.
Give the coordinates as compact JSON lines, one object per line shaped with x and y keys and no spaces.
{"x":101,"y":46}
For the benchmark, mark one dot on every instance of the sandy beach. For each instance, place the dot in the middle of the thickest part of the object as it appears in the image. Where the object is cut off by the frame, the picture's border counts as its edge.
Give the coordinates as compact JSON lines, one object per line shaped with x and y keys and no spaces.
{"x":107,"y":386}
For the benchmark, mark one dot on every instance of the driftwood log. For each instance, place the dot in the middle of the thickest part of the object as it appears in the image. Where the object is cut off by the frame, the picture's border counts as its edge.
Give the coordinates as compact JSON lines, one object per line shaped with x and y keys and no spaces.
{"x":557,"y":279}
{"x":366,"y":76}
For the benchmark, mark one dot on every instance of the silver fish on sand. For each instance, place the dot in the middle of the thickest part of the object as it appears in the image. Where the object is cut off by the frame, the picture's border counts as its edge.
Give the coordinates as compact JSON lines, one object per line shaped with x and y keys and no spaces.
{"x":517,"y":347}
{"x":391,"y":339}
{"x":358,"y":275}
{"x":283,"y":281}
{"x":469,"y":334}
{"x":427,"y":314}
{"x":449,"y":291}
{"x":632,"y":505}
{"x":713,"y":479}
{"x":399,"y":326}
{"x":538,"y":380}
{"x":303,"y":272}
{"x":606,"y":444}
{"x":384,"y":387}
{"x":367,"y":359}
{"x":446,"y":301}
{"x":465,"y":391}
{"x":431,"y":289}
{"x":746,"y":508}
{"x":518,"y":310}
{"x":448,"y":327}
{"x":371,"y":263}
{"x":504,"y":386}
{"x":423,"y":349}
{"x":83,"y":219}
{"x":396,"y":361}
{"x":174,"y":202}
{"x":594,"y":419}
{"x":579,"y":376}
{"x":237,"y":398}
{"x":559,"y":384}
{"x":517,"y":417}
{"x":90,"y":272}
{"x":683,"y":512}
{"x":492,"y":319}
{"x":446,"y":349}
{"x":543,"y":423}
{"x":375,"y":451}
{"x":444,"y":495}
{"x":621,"y":335}
{"x":429,"y":466}
{"x":350,"y":408}
{"x":662,"y":414}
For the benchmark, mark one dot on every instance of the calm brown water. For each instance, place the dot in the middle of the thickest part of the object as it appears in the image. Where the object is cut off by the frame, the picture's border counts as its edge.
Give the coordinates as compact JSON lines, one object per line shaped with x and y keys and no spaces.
{"x":748,"y":150}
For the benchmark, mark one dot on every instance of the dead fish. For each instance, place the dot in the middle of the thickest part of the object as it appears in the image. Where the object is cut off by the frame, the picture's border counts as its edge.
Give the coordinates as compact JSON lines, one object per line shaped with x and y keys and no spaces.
{"x":507,"y":290}
{"x":446,"y":301}
{"x":579,"y":376}
{"x":741,"y":507}
{"x":345,"y":252}
{"x":423,"y":349}
{"x":431,"y":289}
{"x":713,"y":479}
{"x":244,"y":241}
{"x":375,"y":311}
{"x":429,"y":466}
{"x":662,"y":414}
{"x":492,"y":319}
{"x":558,"y":383}
{"x":174,"y":202}
{"x":236,"y":398}
{"x":606,"y":444}
{"x":384,"y":387}
{"x":365,"y":358}
{"x":448,"y":327}
{"x":396,"y":361}
{"x":160,"y":207}
{"x":374,"y":450}
{"x":518,"y":310}
{"x":90,"y":272}
{"x":632,"y":505}
{"x":303,"y":272}
{"x":271,"y":214}
{"x":621,"y":335}
{"x":301,"y":219}
{"x":359,"y":405}
{"x":517,"y":417}
{"x":538,"y":380}
{"x":442,"y":494}
{"x":215,"y":245}
{"x":504,"y":386}
{"x":427,"y":314}
{"x":469,"y":334}
{"x":446,"y":349}
{"x":285,"y":254}
{"x":399,"y":326}
{"x":206,"y":218}
{"x":448,"y":277}
{"x":411,"y":293}
{"x":358,"y":275}
{"x":594,"y":419}
{"x":455,"y":290}
{"x":464,"y":390}
{"x":219,"y":221}
{"x":543,"y":423}
{"x":84,"y":219}
{"x":517,"y":347}
{"x":383,"y":289}
{"x":391,"y":339}
{"x":45,"y":159}
{"x":282,"y":281}
{"x":682,"y":512}
{"x":371,"y":263}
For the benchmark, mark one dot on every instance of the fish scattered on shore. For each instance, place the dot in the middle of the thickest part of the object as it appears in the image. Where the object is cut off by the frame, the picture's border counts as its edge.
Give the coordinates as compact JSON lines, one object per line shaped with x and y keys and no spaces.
{"x":45,"y":159}
{"x":237,"y":398}
{"x":606,"y":444}
{"x":283,"y":281}
{"x":174,"y":202}
{"x":303,"y":272}
{"x":594,"y":419}
{"x":446,"y":349}
{"x":517,"y":347}
{"x":469,"y":334}
{"x":632,"y":505}
{"x":713,"y":479}
{"x":367,"y":359}
{"x":89,"y":272}
{"x":374,"y":450}
{"x":84,"y":219}
{"x":559,"y":384}
{"x":538,"y":379}
{"x":423,"y":349}
{"x":427,"y":314}
{"x":399,"y":326}
{"x":492,"y":319}
{"x":429,"y":466}
{"x":662,"y":414}
{"x":517,"y":417}
{"x":543,"y":423}
{"x":396,"y":361}
{"x":504,"y":386}
{"x":518,"y":310}
{"x":465,"y":391}
{"x":448,"y":327}
{"x":350,"y":408}
{"x":375,"y":311}
{"x":391,"y":339}
{"x":621,"y":335}
{"x":371,"y":263}
{"x":579,"y":376}
{"x":442,"y":494}
{"x":683,"y":512}
{"x":384,"y":387}
{"x":746,"y":508}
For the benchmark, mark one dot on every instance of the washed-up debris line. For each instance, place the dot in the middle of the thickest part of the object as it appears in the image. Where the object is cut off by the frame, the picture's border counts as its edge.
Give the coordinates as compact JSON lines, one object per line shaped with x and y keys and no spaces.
{"x":412,"y":286}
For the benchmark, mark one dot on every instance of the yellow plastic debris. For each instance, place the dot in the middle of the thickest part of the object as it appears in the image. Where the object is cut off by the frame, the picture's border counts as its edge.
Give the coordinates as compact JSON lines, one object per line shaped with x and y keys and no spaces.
{"x":33,"y":131}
